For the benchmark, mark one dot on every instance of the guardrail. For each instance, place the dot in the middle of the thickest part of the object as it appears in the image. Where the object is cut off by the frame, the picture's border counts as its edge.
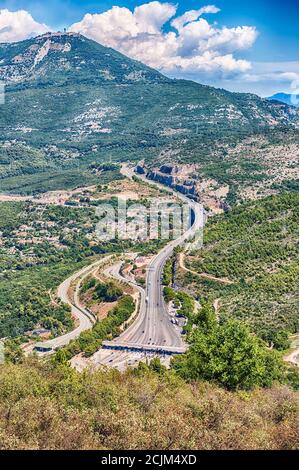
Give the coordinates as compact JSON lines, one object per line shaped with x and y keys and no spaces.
{"x":90,"y":315}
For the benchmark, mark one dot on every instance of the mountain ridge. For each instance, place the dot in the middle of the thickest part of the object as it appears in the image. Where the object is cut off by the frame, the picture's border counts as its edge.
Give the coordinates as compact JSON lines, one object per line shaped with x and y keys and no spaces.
{"x":287,"y":98}
{"x":31,"y":53}
{"x":71,"y":101}
{"x":56,"y":42}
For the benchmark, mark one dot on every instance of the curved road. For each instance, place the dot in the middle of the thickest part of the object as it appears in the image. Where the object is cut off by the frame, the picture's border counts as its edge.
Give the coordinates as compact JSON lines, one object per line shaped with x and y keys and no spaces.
{"x":83,"y":316}
{"x":153,"y":326}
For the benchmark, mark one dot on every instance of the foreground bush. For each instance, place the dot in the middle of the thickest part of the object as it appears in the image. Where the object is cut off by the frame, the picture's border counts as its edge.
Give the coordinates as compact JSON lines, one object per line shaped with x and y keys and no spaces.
{"x":54,"y":407}
{"x":228,"y":354}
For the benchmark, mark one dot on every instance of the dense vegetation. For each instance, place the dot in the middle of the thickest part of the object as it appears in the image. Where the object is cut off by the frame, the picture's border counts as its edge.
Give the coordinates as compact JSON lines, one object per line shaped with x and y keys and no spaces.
{"x":28,"y":170}
{"x":36,"y":255}
{"x":40,"y":246}
{"x":91,"y":341}
{"x":101,"y":291}
{"x":76,"y":123}
{"x":255,"y":245}
{"x":82,"y":107}
{"x":54,"y":407}
{"x":225,"y":352}
{"x":228,"y":354}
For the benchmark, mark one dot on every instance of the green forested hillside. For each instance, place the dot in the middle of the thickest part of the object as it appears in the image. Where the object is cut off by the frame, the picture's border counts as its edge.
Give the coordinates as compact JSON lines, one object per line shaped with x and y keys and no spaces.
{"x":71,"y":101}
{"x":40,"y":246}
{"x":256,"y":246}
{"x":72,"y":105}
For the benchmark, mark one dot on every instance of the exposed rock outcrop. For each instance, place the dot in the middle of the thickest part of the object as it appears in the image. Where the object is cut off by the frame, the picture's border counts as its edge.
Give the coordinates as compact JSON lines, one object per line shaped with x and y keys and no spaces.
{"x":168,"y":175}
{"x":183,"y":179}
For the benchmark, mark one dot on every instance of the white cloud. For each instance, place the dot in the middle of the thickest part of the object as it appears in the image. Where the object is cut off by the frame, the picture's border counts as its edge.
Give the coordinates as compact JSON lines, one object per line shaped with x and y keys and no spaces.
{"x":192,"y":15}
{"x":185,"y":46}
{"x":264,"y":79}
{"x":189,"y":43}
{"x":285,"y":73}
{"x":150,"y":17}
{"x":154,"y":35}
{"x":19,"y":25}
{"x":280,"y":77}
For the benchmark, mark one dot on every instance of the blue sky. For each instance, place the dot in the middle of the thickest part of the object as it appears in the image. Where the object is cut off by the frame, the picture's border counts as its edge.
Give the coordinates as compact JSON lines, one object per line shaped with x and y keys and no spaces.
{"x":272,"y":51}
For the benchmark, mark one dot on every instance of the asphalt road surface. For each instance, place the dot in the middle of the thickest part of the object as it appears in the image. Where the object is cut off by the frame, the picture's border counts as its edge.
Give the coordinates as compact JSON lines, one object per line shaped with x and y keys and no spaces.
{"x":153,"y":326}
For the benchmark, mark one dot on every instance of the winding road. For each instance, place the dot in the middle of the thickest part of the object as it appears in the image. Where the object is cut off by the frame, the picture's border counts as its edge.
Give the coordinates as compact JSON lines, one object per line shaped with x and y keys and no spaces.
{"x":82,"y":315}
{"x":152,"y":333}
{"x":153,"y":328}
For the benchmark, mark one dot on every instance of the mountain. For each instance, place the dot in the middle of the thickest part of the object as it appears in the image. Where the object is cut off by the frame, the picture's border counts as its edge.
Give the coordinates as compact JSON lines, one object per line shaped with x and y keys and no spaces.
{"x":71,"y":101}
{"x":60,"y":58}
{"x":291,"y":100}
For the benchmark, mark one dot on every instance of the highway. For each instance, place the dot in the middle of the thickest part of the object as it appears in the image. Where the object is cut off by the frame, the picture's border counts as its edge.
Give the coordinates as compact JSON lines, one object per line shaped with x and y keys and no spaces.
{"x":153,"y":327}
{"x":152,"y":330}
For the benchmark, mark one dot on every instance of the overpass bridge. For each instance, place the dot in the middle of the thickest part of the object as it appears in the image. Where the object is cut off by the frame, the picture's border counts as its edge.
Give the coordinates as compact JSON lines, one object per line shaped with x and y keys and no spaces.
{"x":144,"y":348}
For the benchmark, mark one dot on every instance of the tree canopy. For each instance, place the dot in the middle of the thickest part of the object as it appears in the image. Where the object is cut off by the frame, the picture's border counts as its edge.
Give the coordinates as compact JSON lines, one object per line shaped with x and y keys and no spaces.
{"x":228,"y":354}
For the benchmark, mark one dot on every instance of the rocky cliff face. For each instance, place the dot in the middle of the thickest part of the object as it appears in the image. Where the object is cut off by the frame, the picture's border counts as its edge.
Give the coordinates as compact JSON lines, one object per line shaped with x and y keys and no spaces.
{"x":140,"y":168}
{"x":183,"y":179}
{"x":169,"y":176}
